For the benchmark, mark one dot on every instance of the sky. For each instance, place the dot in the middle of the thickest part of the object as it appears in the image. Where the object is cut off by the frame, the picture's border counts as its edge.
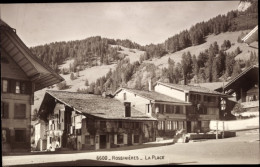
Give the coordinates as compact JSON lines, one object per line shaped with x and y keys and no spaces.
{"x":141,"y":22}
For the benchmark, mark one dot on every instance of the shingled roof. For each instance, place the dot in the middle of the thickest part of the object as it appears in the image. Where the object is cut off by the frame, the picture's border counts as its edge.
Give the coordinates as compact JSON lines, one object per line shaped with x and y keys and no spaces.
{"x":97,"y":106}
{"x":152,"y":95}
{"x":191,"y":88}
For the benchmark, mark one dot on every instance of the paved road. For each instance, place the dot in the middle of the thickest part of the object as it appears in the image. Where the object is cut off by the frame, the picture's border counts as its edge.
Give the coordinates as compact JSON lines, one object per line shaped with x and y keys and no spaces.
{"x":243,"y":149}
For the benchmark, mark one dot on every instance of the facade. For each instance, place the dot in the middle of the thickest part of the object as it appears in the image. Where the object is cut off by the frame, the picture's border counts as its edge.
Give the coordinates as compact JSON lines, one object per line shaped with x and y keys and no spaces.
{"x":84,"y":121}
{"x":40,"y":136}
{"x":21,"y":75}
{"x":175,"y":106}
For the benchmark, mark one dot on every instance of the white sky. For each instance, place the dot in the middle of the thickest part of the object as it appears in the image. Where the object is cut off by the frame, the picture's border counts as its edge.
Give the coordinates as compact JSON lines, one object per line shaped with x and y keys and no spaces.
{"x":141,"y":22}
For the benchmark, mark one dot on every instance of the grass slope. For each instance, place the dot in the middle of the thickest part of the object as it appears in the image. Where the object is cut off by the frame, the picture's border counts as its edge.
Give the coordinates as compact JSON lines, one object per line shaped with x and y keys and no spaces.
{"x":231,"y":36}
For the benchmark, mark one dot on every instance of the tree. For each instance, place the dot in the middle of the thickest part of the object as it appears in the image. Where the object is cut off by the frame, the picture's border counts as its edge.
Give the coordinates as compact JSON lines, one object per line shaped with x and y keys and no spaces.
{"x":72,"y":77}
{"x":62,"y":85}
{"x":86,"y":82}
{"x":35,"y":114}
{"x":236,"y":69}
{"x":186,"y":63}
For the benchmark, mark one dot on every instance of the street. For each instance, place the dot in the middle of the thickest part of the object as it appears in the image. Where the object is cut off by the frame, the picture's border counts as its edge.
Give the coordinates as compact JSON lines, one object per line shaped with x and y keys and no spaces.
{"x":243,"y":149}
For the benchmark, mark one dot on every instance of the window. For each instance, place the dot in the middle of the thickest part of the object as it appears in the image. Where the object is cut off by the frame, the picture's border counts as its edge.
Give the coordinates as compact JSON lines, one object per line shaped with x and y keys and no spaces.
{"x":174,"y":125}
{"x":198,"y":97}
{"x":20,"y":110}
{"x":148,"y":108}
{"x":120,"y":124}
{"x":5,"y":135}
{"x":103,"y":124}
{"x":180,"y":125}
{"x":136,"y":125}
{"x":4,"y":110}
{"x":20,"y":135}
{"x":78,"y":131}
{"x":120,"y":139}
{"x":161,"y":108}
{"x":177,"y":111}
{"x":17,"y":87}
{"x":211,"y":99}
{"x":87,"y":139}
{"x":169,"y":109}
{"x":23,"y":88}
{"x":5,"y":86}
{"x":136,"y":138}
{"x":50,"y":140}
{"x":160,"y":125}
{"x":205,"y":98}
{"x":169,"y":125}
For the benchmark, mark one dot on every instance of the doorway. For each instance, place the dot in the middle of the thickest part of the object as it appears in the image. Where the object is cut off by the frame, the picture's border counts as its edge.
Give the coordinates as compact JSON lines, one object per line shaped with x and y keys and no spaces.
{"x":102,"y":141}
{"x":188,"y":126}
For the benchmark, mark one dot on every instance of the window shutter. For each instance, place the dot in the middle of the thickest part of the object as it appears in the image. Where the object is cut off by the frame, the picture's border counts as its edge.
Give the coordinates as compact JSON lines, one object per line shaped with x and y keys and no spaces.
{"x":28,"y":87}
{"x":12,"y":86}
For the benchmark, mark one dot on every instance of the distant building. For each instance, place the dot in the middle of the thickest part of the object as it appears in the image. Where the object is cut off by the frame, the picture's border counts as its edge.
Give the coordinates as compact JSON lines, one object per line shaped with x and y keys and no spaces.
{"x":22,"y":74}
{"x":40,"y":137}
{"x":86,"y":121}
{"x":175,"y":106}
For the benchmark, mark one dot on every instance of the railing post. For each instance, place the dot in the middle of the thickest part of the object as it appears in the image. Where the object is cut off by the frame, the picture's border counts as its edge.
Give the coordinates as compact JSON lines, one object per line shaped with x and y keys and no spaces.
{"x":223,"y":135}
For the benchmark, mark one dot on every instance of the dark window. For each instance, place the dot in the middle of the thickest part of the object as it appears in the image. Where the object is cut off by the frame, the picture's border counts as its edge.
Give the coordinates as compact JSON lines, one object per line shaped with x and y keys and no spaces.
{"x":136,"y":138}
{"x":78,"y":131}
{"x":127,"y":109}
{"x":5,"y":86}
{"x":120,"y":124}
{"x":136,"y":125}
{"x":148,"y":108}
{"x":198,"y":97}
{"x":177,"y":110}
{"x":4,"y":110}
{"x":168,"y":109}
{"x":103,"y":124}
{"x":161,"y":108}
{"x":20,"y":111}
{"x":5,"y":135}
{"x":205,"y":98}
{"x":120,"y":139}
{"x":23,"y":88}
{"x":20,"y":135}
{"x":50,"y":140}
{"x":87,"y":139}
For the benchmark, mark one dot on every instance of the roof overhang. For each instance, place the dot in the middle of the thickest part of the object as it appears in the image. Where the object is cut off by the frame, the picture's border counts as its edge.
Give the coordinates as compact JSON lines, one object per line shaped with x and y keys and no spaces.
{"x":251,"y":36}
{"x":37,"y":71}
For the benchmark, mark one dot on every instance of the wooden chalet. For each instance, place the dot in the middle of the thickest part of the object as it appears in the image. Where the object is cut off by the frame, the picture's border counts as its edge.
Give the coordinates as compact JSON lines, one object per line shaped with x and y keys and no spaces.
{"x":86,"y":121}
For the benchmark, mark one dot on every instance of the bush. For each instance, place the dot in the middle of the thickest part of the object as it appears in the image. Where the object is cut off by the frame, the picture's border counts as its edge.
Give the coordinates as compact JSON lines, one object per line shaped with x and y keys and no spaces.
{"x":238,"y":109}
{"x":86,"y":82}
{"x":72,"y":77}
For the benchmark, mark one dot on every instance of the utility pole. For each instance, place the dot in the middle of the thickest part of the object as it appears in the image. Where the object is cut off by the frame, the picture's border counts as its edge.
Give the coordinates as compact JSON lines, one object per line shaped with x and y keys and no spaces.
{"x":223,"y":134}
{"x":217,"y":130}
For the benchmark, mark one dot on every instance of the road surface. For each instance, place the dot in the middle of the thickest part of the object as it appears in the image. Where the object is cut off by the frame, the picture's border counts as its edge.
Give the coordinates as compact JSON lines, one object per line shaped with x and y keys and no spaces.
{"x":243,"y":149}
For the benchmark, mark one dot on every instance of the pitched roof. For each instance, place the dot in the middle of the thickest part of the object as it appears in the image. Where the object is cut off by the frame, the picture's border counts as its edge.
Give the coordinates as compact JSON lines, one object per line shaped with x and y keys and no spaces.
{"x":211,"y":85}
{"x":236,"y":79}
{"x":191,"y":88}
{"x":38,"y":72}
{"x":97,"y":106}
{"x":152,"y":95}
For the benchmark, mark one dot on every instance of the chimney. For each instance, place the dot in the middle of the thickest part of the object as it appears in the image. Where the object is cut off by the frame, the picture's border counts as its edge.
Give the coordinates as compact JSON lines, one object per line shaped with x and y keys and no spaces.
{"x":150,"y":85}
{"x":127,"y":109}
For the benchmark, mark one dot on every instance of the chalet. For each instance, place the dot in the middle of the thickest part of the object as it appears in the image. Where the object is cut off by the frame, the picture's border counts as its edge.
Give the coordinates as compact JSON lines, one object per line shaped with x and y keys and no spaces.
{"x":175,"y":106}
{"x":245,"y":88}
{"x":86,"y":121}
{"x":22,"y":74}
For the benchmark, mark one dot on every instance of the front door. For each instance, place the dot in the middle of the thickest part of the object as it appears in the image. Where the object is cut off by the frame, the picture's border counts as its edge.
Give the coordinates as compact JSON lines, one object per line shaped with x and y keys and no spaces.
{"x":102,"y":141}
{"x":129,"y":140}
{"x":188,"y":127}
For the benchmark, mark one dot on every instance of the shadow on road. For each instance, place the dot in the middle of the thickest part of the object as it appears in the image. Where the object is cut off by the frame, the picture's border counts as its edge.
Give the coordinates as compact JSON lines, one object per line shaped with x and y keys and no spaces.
{"x":89,"y":163}
{"x":125,"y":148}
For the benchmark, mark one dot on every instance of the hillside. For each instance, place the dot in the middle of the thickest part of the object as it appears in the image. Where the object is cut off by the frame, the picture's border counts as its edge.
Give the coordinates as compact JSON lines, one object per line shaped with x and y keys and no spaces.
{"x":195,"y":50}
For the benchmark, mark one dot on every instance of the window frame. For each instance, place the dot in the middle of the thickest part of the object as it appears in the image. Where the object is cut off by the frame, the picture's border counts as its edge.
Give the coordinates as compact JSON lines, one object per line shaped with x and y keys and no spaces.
{"x":15,"y":111}
{"x":15,"y":135}
{"x":7,"y":85}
